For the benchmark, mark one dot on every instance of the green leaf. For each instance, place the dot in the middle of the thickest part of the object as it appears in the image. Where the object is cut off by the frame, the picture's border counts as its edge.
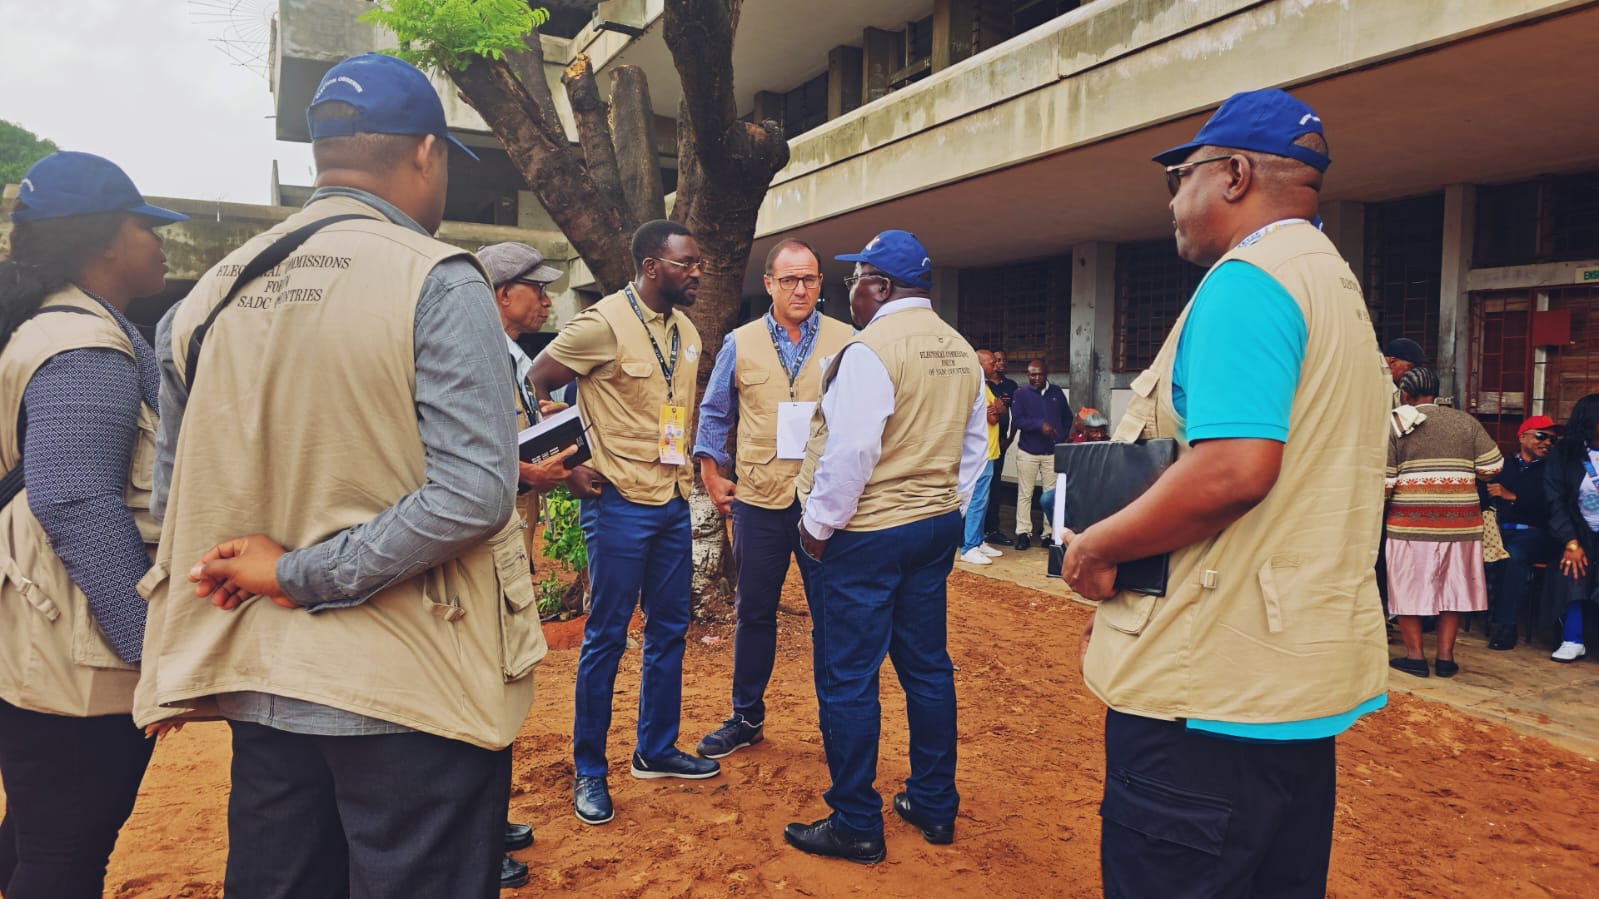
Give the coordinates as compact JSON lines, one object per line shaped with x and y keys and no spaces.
{"x":450,"y":34}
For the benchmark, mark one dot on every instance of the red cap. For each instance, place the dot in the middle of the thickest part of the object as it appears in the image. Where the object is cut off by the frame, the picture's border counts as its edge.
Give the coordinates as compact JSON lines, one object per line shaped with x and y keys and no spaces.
{"x":1536,"y":423}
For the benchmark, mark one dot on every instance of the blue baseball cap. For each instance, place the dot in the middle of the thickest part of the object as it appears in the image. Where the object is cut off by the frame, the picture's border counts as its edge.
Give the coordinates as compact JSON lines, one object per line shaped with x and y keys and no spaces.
{"x":390,"y":96}
{"x":68,"y":183}
{"x":1265,"y":121}
{"x":899,"y":255}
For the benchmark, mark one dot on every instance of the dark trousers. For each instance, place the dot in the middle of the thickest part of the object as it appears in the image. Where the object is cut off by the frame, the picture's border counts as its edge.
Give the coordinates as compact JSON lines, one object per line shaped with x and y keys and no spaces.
{"x":412,"y":814}
{"x":763,"y":541}
{"x":640,"y":555}
{"x":875,"y":594}
{"x":1526,"y":548}
{"x":70,"y":785}
{"x":1190,"y":814}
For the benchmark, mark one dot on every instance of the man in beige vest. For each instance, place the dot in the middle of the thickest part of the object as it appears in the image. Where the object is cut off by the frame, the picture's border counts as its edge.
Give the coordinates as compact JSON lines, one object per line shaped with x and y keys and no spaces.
{"x":635,"y":356}
{"x":768,"y":375}
{"x":1226,"y":692}
{"x":893,"y":457}
{"x":371,"y":642}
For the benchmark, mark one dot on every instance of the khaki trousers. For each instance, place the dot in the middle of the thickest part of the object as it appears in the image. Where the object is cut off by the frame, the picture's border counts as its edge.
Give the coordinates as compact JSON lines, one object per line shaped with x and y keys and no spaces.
{"x":1031,"y":471}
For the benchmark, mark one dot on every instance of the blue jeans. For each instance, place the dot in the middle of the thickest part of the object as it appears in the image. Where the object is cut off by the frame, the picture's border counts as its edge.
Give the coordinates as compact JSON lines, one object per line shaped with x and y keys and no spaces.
{"x":637,"y":554}
{"x":875,"y":594}
{"x":1526,"y":547}
{"x":977,"y":509}
{"x":763,"y":540}
{"x":1571,"y":630}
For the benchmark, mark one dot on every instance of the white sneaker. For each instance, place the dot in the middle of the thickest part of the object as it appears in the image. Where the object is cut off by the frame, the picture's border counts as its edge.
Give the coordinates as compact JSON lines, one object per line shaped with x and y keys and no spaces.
{"x":975,"y":556}
{"x":989,"y":551}
{"x":1569,"y":652}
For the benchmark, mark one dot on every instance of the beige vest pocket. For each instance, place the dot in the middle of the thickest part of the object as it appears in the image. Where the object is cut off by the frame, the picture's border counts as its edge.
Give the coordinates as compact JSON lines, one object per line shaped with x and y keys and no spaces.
{"x":521,"y":635}
{"x":1127,"y":612}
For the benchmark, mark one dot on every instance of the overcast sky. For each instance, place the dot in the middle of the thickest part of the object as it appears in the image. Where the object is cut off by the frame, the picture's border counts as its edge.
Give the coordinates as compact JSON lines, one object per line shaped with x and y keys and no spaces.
{"x":141,"y":83}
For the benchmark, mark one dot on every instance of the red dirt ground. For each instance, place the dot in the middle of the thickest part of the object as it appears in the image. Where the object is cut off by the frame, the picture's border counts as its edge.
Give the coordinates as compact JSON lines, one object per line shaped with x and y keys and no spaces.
{"x":1432,"y":801}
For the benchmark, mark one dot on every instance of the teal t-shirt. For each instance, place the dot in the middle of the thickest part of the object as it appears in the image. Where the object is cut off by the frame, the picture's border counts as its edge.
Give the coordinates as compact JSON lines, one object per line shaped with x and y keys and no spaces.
{"x":1241,"y":383}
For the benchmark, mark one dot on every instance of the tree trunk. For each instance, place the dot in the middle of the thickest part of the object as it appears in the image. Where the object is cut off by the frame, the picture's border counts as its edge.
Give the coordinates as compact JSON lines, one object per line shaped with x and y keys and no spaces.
{"x":594,"y":137}
{"x":633,"y":129}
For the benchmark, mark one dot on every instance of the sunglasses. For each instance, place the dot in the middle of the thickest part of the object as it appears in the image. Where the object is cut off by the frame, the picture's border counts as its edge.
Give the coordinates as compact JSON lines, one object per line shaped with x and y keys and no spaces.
{"x":1542,"y":435}
{"x":1175,"y":173}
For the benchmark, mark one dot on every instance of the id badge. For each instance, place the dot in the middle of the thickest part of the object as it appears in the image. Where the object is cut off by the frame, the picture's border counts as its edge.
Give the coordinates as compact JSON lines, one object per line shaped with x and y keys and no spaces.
{"x":674,"y":434}
{"x":793,"y":429}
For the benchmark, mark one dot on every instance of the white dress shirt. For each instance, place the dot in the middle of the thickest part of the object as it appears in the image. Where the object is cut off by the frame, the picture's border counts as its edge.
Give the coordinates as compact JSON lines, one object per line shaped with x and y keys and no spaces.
{"x":857,"y":404}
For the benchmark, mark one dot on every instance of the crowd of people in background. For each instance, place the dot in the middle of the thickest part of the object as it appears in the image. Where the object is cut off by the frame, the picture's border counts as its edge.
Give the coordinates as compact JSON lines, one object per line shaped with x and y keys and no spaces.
{"x":340,"y":480}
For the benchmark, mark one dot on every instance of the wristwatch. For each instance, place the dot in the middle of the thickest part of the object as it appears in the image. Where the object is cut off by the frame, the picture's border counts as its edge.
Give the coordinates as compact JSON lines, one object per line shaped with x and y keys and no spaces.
{"x":1572,"y":546}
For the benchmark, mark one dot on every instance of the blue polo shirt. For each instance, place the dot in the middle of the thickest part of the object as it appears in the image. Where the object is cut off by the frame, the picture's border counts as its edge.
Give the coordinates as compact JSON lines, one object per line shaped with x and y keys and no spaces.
{"x":1237,"y":367}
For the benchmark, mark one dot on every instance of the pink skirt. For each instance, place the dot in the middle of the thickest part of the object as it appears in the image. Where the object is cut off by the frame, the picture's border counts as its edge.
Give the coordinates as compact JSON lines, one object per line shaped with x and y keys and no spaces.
{"x":1425,"y":578}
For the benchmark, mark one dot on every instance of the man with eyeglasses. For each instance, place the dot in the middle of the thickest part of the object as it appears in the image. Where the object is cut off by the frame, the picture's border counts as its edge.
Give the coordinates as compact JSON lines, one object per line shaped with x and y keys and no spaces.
{"x":1225,"y":694}
{"x":1523,"y":514}
{"x":896,"y":450}
{"x":768,"y":377}
{"x":636,"y":360}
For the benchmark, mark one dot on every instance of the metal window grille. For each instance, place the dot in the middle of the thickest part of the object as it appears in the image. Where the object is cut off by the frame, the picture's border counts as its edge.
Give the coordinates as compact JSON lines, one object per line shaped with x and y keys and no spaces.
{"x":1152,"y":285}
{"x":1573,"y":370}
{"x":1024,"y":309}
{"x":1500,"y":389}
{"x":1404,"y":267}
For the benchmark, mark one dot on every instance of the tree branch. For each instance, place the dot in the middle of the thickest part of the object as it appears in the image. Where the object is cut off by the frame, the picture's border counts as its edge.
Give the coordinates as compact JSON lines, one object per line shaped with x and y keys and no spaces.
{"x":699,"y":34}
{"x":529,"y":70}
{"x":594,"y":136}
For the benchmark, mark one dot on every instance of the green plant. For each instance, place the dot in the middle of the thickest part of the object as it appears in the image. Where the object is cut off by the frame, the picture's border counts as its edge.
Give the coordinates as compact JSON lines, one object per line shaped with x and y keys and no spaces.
{"x":563,"y":536}
{"x":550,"y":592}
{"x":449,"y":34}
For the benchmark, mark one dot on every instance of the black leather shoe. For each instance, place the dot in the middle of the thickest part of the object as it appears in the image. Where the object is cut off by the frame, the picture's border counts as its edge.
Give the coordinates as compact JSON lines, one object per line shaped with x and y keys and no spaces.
{"x":1418,"y":667}
{"x":675,"y":764}
{"x":517,"y":836}
{"x":591,"y":798}
{"x":512,"y":873}
{"x":1022,"y":541}
{"x":995,"y":538}
{"x":937,"y":834}
{"x":1446,"y":668}
{"x":1502,"y":638}
{"x":819,"y":838}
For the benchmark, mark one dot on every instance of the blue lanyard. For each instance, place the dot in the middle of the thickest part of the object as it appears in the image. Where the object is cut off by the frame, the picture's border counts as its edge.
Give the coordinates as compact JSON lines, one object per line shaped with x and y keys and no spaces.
{"x":666,"y":368}
{"x":800,"y":354}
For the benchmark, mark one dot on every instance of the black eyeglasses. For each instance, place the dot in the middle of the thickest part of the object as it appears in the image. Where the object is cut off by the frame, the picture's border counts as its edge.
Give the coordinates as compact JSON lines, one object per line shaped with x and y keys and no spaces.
{"x":690,"y":265}
{"x":789,"y":282}
{"x":852,"y":280}
{"x":1542,"y":435}
{"x":1175,"y":173}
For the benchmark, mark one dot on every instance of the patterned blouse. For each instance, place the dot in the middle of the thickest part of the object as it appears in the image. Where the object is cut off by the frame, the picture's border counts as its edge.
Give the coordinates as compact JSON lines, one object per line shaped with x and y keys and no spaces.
{"x":1432,"y":477}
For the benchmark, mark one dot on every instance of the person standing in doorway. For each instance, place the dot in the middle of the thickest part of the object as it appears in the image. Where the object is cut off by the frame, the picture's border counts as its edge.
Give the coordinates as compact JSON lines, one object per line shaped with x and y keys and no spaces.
{"x":974,"y":550}
{"x":1004,"y":390}
{"x":1042,"y":418}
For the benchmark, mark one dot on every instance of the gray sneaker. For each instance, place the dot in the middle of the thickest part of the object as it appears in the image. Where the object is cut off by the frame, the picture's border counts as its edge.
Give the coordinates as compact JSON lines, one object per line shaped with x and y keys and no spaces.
{"x":734,"y":734}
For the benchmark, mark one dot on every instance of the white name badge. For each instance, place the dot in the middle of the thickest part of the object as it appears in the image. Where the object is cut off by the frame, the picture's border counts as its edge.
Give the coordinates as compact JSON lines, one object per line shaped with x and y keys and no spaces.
{"x":793,"y":429}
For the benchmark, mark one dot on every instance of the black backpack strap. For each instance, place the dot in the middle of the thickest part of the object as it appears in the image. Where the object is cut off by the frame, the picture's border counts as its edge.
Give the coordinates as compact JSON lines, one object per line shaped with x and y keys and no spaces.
{"x":12,"y":483}
{"x":268,"y":259}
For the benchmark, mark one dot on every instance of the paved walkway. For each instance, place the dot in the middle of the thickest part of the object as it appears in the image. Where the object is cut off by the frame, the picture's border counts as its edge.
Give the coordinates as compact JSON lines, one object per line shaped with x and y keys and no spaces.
{"x":1521,"y":688}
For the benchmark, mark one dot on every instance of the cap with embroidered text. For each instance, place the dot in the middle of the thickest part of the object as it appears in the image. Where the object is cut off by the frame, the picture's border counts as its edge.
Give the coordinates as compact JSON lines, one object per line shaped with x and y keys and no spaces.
{"x":899,"y":255}
{"x":389,"y":95}
{"x":69,"y":183}
{"x":1265,"y":121}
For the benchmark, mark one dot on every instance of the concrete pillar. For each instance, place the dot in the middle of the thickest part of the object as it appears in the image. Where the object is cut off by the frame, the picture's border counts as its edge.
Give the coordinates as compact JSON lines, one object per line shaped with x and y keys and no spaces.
{"x":1093,"y":323}
{"x":1454,"y":302}
{"x":1344,"y":223}
{"x":952,"y":32}
{"x":844,"y":80}
{"x":947,"y":294}
{"x":877,"y":63}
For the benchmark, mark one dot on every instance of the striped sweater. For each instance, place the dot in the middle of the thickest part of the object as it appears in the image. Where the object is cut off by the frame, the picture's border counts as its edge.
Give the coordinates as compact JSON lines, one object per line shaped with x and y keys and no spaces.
{"x":1432,"y":477}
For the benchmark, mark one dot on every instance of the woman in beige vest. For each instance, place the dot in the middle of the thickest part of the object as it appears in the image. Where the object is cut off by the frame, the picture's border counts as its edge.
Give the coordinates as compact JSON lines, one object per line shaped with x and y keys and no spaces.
{"x":81,"y":384}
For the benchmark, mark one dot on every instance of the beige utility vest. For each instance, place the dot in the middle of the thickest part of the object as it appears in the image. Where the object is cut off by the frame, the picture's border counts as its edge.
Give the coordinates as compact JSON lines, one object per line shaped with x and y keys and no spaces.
{"x":1277,"y":617}
{"x":301,"y":423}
{"x":53,"y":657}
{"x":936,"y":379}
{"x":621,"y":403}
{"x":763,"y":479}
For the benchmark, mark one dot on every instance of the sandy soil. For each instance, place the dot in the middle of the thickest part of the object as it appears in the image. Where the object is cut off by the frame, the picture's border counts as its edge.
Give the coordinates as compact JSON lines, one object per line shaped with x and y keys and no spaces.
{"x":1432,"y":801}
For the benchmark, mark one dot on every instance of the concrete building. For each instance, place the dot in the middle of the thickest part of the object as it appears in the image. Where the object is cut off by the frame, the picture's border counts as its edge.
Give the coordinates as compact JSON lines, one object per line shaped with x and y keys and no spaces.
{"x":1014,"y":137}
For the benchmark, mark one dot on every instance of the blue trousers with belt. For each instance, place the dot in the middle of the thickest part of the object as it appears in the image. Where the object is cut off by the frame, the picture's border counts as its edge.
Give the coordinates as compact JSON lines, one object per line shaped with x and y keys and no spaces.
{"x":763,"y":542}
{"x":876,"y":594}
{"x":637,"y":554}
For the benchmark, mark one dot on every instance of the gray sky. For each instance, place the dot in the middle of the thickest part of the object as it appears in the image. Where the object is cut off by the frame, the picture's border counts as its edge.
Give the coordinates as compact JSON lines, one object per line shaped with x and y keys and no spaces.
{"x":140,"y":83}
